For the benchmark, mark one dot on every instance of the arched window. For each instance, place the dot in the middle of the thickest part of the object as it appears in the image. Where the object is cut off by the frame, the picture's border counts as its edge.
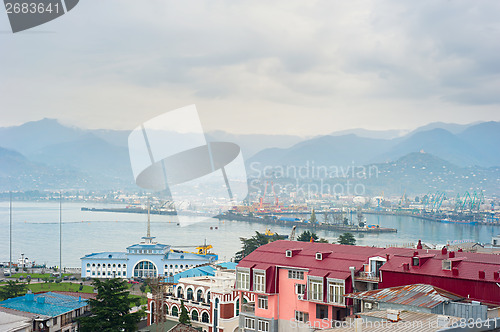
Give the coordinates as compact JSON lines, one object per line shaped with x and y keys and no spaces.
{"x":204,"y":318}
{"x":194,"y":316}
{"x":182,"y":266}
{"x":199,"y":295}
{"x":208,"y":297}
{"x":180,"y":294}
{"x":175,"y":311}
{"x":124,"y":265}
{"x":166,"y":309}
{"x":114,"y":265}
{"x":145,"y":269}
{"x":98,"y":265}
{"x":119,"y":265}
{"x":109,"y":265}
{"x":190,"y":294}
{"x":88,"y":264}
{"x":237,"y":307}
{"x":93,"y":265}
{"x":152,"y":312}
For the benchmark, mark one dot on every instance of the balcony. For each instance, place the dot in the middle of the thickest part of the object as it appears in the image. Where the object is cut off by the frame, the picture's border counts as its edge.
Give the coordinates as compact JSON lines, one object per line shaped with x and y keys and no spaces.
{"x":248,"y":308}
{"x":367,"y":276}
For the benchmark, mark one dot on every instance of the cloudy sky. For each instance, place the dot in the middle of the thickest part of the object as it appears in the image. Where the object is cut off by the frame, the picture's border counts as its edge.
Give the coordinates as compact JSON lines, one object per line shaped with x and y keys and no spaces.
{"x":288,"y":67}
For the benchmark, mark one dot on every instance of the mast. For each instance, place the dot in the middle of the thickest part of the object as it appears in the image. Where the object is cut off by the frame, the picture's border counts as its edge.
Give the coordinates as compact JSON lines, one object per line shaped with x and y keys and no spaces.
{"x":149,"y":219}
{"x":10,"y":232}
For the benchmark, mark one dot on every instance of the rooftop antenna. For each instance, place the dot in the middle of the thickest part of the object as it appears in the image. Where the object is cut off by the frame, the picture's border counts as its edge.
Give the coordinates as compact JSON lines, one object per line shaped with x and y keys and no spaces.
{"x":10,"y":232}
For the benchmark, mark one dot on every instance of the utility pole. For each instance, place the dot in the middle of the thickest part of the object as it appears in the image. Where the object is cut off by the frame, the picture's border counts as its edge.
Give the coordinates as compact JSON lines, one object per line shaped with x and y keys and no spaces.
{"x":60,"y":233}
{"x":10,"y":232}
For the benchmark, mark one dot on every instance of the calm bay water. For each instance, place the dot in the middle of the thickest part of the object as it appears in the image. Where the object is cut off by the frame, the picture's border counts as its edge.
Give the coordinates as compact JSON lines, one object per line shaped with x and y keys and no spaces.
{"x":36,"y":232}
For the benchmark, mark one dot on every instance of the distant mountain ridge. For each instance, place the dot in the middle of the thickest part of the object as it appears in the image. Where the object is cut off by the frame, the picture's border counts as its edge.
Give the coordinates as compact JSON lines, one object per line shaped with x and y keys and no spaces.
{"x":47,"y":154}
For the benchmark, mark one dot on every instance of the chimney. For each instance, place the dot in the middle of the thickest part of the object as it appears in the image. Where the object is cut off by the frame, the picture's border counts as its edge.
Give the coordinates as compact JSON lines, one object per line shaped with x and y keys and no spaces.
{"x":444,"y":251}
{"x":415,"y":253}
{"x":454,"y":271}
{"x":419,"y":245}
{"x":482,"y":274}
{"x":387,"y":257}
{"x":460,"y":250}
{"x":496,"y":275}
{"x":452,"y":254}
{"x":353,"y":270}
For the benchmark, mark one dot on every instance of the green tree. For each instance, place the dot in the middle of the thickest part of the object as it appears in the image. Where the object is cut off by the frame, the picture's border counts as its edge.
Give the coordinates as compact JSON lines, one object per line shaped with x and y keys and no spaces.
{"x":12,"y":289}
{"x":249,"y":245}
{"x":306,"y":236}
{"x":184,"y":316}
{"x":111,"y":308}
{"x":313,"y":219}
{"x":322,"y":240}
{"x":347,"y":238}
{"x":143,"y":287}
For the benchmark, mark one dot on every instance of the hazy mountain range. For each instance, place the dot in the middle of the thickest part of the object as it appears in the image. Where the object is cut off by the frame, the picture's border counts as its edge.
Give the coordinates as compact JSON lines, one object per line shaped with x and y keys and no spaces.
{"x":48,"y":155}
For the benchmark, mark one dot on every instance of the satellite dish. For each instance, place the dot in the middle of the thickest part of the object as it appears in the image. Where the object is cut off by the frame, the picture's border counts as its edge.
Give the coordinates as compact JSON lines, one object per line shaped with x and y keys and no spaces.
{"x":48,"y":323}
{"x":41,"y":325}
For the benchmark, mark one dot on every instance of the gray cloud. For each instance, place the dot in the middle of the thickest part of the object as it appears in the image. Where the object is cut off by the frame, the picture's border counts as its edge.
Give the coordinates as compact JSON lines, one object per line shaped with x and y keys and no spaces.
{"x":114,"y":63}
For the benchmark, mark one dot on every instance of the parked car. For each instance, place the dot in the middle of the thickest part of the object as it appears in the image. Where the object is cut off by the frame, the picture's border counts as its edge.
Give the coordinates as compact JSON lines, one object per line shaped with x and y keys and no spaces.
{"x":133,"y":282}
{"x":72,"y":278}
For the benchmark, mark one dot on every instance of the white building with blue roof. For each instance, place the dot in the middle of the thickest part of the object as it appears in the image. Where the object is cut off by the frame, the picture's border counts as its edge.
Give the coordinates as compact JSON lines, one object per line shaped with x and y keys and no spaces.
{"x":146,"y":259}
{"x":49,"y":312}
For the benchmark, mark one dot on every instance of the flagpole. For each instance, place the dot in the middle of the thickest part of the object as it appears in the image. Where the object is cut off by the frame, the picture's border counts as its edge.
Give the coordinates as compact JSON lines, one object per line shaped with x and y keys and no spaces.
{"x":10,"y":232}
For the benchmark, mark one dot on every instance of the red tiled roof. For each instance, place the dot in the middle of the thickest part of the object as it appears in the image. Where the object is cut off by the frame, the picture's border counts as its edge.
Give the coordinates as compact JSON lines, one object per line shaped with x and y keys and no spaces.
{"x":337,"y":263}
{"x":469,"y":264}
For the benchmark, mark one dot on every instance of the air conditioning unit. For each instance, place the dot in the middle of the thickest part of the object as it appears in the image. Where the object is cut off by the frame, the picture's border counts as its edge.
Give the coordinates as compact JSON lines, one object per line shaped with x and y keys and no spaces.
{"x":368,"y":305}
{"x":300,"y":296}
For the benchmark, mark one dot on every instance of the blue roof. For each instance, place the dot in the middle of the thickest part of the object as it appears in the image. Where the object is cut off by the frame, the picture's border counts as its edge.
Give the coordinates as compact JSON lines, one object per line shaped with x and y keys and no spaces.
{"x":107,"y":255}
{"x":228,"y":265}
{"x":154,"y":246}
{"x":47,"y":304}
{"x":199,"y":271}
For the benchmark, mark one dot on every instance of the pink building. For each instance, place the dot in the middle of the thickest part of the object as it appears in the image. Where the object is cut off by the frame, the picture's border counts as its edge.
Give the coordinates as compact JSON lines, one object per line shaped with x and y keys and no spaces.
{"x":286,"y":282}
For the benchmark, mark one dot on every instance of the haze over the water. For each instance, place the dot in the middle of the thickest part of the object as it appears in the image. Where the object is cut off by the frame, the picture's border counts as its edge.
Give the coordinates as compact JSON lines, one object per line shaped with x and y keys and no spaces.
{"x":257,"y":67}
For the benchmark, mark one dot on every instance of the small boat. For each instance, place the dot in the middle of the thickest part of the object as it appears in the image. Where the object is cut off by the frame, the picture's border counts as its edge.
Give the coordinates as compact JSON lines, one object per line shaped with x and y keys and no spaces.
{"x":270,"y":234}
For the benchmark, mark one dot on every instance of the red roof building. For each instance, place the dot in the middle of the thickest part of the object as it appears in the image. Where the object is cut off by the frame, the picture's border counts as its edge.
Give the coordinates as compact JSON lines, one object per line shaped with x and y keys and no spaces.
{"x":289,"y":282}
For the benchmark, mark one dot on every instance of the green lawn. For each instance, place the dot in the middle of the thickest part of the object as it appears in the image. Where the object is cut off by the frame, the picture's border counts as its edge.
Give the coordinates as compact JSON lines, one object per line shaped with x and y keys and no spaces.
{"x":63,"y":286}
{"x":34,"y":275}
{"x":144,"y":299}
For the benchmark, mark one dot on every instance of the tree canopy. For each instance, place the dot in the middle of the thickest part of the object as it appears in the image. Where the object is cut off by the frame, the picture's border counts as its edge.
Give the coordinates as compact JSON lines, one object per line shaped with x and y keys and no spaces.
{"x":12,"y":289}
{"x":347,"y":238}
{"x":111,"y":308}
{"x":250,"y":244}
{"x":184,"y":316}
{"x":306,"y":236}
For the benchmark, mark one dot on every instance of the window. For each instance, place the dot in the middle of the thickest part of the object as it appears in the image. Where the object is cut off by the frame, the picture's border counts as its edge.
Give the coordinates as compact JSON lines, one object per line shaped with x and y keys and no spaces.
{"x":166,"y":309}
{"x":54,"y":321}
{"x":88,"y":264}
{"x":237,"y":307}
{"x":288,"y":253}
{"x":415,"y":261}
{"x":199,"y":295}
{"x":175,"y":311}
{"x":259,"y":282}
{"x":124,"y":265}
{"x":301,"y":316}
{"x":336,"y":292}
{"x":194,"y":316}
{"x":300,"y":289}
{"x":446,"y":265}
{"x":263,"y":326}
{"x":294,"y":274}
{"x":244,"y":280}
{"x":250,"y":323}
{"x":190,"y":294}
{"x":145,"y":269}
{"x":180,"y":293}
{"x":204,"y":318}
{"x":319,"y":256}
{"x":262,"y":302}
{"x":321,"y":311}
{"x":315,"y":290}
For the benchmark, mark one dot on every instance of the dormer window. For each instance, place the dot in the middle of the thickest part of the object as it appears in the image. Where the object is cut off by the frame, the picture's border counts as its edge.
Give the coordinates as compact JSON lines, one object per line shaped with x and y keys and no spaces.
{"x":319,"y":256}
{"x":415,"y":261}
{"x":446,"y":264}
{"x":288,"y":253}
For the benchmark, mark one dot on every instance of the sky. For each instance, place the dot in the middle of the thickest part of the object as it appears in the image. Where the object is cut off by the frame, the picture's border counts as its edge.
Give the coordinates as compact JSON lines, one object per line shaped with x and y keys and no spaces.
{"x":288,"y":67}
